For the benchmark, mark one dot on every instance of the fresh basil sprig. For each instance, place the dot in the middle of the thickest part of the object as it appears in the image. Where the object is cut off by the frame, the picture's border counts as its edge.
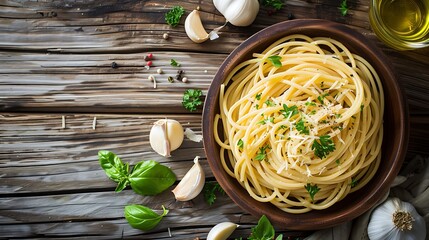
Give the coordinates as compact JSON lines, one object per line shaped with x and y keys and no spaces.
{"x":264,"y":230}
{"x":142,"y":217}
{"x":146,"y":177}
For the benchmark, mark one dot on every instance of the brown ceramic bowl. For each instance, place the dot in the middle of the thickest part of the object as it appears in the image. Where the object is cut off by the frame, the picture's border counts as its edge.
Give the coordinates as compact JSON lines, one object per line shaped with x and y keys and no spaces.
{"x":395,"y":138}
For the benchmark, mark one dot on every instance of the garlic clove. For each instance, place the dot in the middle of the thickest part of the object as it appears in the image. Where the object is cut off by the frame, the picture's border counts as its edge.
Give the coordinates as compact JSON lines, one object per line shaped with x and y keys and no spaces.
{"x":194,"y":27}
{"x":191,"y":184}
{"x":222,"y":231}
{"x":239,"y":13}
{"x":166,"y":135}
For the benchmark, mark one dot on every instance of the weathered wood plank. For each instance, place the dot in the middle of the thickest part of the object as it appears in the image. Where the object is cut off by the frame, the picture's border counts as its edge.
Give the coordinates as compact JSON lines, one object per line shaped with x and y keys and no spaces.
{"x":88,"y":83}
{"x":101,"y":215}
{"x":38,"y":155}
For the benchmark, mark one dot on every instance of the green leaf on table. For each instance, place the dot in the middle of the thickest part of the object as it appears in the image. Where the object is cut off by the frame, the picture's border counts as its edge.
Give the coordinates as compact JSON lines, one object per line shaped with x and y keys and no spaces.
{"x":210,"y":189}
{"x":192,"y":99}
{"x":151,"y":178}
{"x":344,"y":8}
{"x":263,"y":231}
{"x":114,"y":168}
{"x":142,"y":217}
{"x":276,"y":4}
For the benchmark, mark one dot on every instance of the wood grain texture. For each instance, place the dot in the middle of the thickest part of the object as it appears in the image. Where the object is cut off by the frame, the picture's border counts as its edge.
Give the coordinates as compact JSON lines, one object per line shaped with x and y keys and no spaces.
{"x":55,"y":60}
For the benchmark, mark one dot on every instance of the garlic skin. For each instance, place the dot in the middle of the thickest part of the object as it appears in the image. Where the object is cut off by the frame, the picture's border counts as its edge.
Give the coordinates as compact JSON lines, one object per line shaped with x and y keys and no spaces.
{"x":239,"y":13}
{"x":194,"y":27}
{"x":166,"y":135}
{"x":222,"y":231}
{"x":191,"y":184}
{"x":395,"y":219}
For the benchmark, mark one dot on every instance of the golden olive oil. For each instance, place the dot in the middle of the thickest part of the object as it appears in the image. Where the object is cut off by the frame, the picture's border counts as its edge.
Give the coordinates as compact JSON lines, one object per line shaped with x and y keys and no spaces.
{"x":401,"y":21}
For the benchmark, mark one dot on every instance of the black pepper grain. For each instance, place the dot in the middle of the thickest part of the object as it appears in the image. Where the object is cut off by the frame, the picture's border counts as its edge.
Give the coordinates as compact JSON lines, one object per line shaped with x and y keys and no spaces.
{"x":114,"y":65}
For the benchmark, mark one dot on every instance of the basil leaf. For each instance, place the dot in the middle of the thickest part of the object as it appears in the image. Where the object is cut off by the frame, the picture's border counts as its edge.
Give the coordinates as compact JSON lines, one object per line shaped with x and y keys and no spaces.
{"x":114,"y":168}
{"x":263,"y":231}
{"x":275,"y":60}
{"x":142,"y":217}
{"x":279,"y":237}
{"x":151,"y":178}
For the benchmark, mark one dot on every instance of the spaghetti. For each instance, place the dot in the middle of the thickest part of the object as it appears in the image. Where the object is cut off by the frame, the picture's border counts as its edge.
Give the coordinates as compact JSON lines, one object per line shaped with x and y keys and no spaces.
{"x":301,"y":123}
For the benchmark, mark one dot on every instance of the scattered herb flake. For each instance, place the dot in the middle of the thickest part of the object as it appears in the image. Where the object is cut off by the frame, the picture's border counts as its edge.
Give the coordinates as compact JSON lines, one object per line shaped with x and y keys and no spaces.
{"x":323,"y":147}
{"x":289,"y":111}
{"x":192,"y":99}
{"x":300,"y":126}
{"x":310,"y":104}
{"x":337,"y":162}
{"x":276,"y":4}
{"x":173,"y":16}
{"x":344,"y":8}
{"x":354,"y":183}
{"x":275,"y":60}
{"x":210,"y":189}
{"x":322,"y":97}
{"x":262,"y":154}
{"x":270,"y":103}
{"x":361,"y":107}
{"x":174,"y":63}
{"x":240,"y":144}
{"x":312,"y":190}
{"x":263,"y":231}
{"x":258,"y":96}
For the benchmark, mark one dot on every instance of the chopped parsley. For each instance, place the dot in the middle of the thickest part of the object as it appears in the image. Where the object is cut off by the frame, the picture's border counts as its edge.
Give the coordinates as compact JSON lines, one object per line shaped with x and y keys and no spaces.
{"x":174,"y":63}
{"x":192,"y":99}
{"x":344,"y":8}
{"x":337,"y":162}
{"x":337,"y":115}
{"x":361,"y":107}
{"x":240,"y":144}
{"x":261,"y":155}
{"x":323,"y":147}
{"x":312,"y":190}
{"x":257,"y":106}
{"x":269,"y":119}
{"x":210,"y":189}
{"x":289,"y":111}
{"x":322,"y":97}
{"x":300,"y":126}
{"x":276,"y":4}
{"x":310,"y":104}
{"x":173,"y":16}
{"x":275,"y":60}
{"x":258,"y":96}
{"x":312,"y":112}
{"x":270,"y":103}
{"x":354,"y":183}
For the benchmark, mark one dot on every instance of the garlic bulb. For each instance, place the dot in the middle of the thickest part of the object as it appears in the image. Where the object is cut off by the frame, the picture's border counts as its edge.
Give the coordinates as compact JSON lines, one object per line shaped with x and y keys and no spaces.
{"x":238,"y":12}
{"x":165,"y":136}
{"x":222,"y":231}
{"x":191,"y":184}
{"x":395,"y":219}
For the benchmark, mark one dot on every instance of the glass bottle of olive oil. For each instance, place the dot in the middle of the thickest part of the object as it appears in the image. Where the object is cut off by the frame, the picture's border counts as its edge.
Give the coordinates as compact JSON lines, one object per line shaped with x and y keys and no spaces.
{"x":402,"y":24}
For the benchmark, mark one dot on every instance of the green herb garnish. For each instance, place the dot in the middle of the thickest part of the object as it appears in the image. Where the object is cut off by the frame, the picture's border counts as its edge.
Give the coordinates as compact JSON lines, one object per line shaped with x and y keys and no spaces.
{"x":323,"y":147}
{"x":300,"y":126}
{"x":264,"y":230}
{"x":258,"y":96}
{"x":322,"y":97}
{"x":142,"y":217}
{"x":174,"y":63}
{"x":173,"y":16}
{"x":192,"y":99}
{"x":275,"y":60}
{"x":337,"y":162}
{"x":354,"y":183}
{"x":289,"y":111}
{"x":344,"y":8}
{"x":210,"y":189}
{"x":310,"y":104}
{"x":270,"y":103}
{"x":312,"y":190}
{"x":261,"y":155}
{"x":269,"y":119}
{"x":240,"y":144}
{"x":276,"y":4}
{"x":146,"y":177}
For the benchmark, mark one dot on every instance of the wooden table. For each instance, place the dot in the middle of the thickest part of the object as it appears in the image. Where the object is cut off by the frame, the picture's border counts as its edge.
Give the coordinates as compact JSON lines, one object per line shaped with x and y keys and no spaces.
{"x":56,"y":61}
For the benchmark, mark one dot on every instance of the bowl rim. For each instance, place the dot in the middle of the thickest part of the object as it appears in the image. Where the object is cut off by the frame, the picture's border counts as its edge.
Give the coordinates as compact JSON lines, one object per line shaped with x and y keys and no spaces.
{"x":325,"y":218}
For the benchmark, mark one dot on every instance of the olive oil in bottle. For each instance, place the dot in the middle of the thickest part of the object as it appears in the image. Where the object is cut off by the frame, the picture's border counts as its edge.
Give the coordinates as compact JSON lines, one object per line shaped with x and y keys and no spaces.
{"x":401,"y":20}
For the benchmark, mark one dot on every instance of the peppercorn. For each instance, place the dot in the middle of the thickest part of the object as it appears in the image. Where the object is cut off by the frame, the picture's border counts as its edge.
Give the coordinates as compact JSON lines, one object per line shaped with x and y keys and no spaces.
{"x":114,"y":65}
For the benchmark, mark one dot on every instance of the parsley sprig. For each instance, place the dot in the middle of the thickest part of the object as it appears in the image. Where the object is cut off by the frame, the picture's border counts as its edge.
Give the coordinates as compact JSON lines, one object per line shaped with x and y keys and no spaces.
{"x":192,"y":99}
{"x":312,"y":190}
{"x":289,"y":111}
{"x":210,"y":189}
{"x":300,"y":126}
{"x":276,"y":4}
{"x":323,"y":147}
{"x":173,"y":16}
{"x":261,"y":155}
